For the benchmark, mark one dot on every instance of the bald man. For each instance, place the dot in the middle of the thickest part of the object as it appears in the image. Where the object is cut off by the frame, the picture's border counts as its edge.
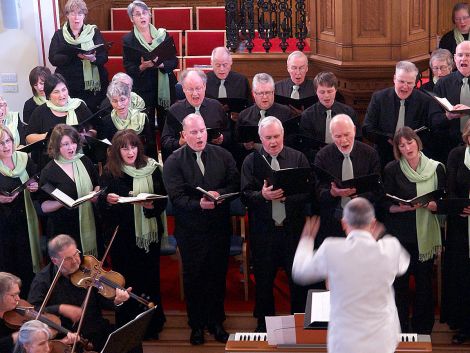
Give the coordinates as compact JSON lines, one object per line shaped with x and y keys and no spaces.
{"x":345,"y":158}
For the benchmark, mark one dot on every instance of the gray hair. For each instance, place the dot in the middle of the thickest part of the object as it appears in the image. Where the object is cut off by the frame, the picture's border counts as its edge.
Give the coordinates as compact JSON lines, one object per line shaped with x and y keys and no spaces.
{"x":72,"y":5}
{"x":340,"y":118}
{"x":442,"y":54}
{"x":358,"y":213}
{"x":28,"y":332}
{"x":262,"y":78}
{"x":406,"y":66}
{"x":136,"y":3}
{"x":120,"y":76}
{"x":267,"y":121}
{"x":59,"y":243}
{"x":187,"y":72}
{"x":117,"y":89}
{"x":7,"y":280}
{"x":220,"y":50}
{"x":296,"y":54}
{"x":190,"y":117}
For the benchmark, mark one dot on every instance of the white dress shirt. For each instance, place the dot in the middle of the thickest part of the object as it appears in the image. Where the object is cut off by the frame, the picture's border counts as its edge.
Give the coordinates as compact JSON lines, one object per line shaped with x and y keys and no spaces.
{"x":360,"y":272}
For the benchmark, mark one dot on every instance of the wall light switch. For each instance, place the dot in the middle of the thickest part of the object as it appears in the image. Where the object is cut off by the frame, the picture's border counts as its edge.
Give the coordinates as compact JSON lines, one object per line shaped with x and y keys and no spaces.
{"x":9,"y":77}
{"x":10,"y":88}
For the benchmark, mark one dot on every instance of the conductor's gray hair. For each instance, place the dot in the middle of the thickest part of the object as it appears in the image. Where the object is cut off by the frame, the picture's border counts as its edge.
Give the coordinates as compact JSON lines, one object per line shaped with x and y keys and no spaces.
{"x":269,"y":120}
{"x":358,"y":213}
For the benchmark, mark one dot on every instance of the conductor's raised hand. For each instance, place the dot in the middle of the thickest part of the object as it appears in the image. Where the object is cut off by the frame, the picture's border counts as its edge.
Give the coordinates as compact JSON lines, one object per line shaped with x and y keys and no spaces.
{"x":270,"y":194}
{"x":311,"y":227}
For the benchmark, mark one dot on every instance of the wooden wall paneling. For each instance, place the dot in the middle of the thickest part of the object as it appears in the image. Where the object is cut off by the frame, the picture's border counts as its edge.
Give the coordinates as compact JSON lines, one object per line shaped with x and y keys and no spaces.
{"x":98,"y":13}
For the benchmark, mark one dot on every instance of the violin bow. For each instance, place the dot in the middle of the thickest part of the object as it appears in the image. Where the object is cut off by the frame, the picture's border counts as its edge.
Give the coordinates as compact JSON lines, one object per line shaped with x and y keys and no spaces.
{"x":51,"y":288}
{"x":90,"y":288}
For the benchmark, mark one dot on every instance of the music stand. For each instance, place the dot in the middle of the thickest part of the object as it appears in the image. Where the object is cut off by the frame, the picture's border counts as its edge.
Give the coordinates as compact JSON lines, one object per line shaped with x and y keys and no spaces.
{"x":130,"y":335}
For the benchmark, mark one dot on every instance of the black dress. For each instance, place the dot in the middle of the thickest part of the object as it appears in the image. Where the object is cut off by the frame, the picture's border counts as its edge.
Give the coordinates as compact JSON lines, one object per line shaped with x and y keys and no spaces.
{"x":64,"y":220}
{"x":448,"y":41}
{"x":6,"y":341}
{"x":28,"y":109}
{"x":403,"y":226}
{"x":146,"y":82}
{"x":69,"y":65}
{"x":140,"y":268}
{"x":456,"y":261}
{"x":15,"y":251}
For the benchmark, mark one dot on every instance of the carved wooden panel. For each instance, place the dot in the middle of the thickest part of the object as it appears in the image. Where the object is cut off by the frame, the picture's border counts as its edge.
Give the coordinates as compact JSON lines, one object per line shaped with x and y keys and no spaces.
{"x":372,"y":24}
{"x":327,"y":17}
{"x":98,"y":13}
{"x":418,"y":16}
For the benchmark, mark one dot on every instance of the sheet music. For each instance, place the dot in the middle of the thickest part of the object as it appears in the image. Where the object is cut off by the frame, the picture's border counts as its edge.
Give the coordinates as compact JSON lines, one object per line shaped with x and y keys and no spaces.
{"x":320,"y":307}
{"x":280,"y":329}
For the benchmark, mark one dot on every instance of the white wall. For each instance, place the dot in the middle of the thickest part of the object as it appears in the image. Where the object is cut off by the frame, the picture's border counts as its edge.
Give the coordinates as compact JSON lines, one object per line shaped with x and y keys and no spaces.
{"x":22,"y":49}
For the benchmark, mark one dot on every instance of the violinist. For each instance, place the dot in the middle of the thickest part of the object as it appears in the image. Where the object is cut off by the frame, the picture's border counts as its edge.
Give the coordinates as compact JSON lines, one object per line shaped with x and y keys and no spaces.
{"x":136,"y":249}
{"x":34,"y":337}
{"x":9,"y":297}
{"x":66,"y":299}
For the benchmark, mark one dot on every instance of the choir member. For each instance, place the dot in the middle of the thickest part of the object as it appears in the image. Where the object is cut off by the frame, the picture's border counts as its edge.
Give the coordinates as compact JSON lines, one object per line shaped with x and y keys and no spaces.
{"x":136,"y":101}
{"x":455,"y":88}
{"x":394,"y":107}
{"x":20,"y":252}
{"x":344,"y":159}
{"x":58,"y":109}
{"x":315,"y":120}
{"x":456,"y":260}
{"x":461,"y":20}
{"x":276,"y":220}
{"x":155,"y":84}
{"x":124,"y":117}
{"x":416,"y":227}
{"x":12,"y":121}
{"x":202,"y":227}
{"x":136,"y":249}
{"x":194,"y":88}
{"x":74,"y":174}
{"x":441,"y":64}
{"x":73,"y":52}
{"x":66,"y":298}
{"x":37,"y":76}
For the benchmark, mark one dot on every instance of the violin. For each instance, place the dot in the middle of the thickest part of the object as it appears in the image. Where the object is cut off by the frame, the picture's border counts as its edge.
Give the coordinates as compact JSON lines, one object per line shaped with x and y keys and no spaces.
{"x":91,"y":273}
{"x":60,"y":347}
{"x":24,"y":312}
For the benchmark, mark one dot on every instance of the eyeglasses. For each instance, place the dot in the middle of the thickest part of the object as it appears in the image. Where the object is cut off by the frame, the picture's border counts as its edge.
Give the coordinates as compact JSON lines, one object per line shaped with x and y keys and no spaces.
{"x":76,"y":14}
{"x":266,"y":93}
{"x":440,"y":68}
{"x":140,"y":14}
{"x":13,"y":295}
{"x":461,"y":19}
{"x":192,"y":90}
{"x":71,"y":258}
{"x":68,"y":144}
{"x":6,"y":142}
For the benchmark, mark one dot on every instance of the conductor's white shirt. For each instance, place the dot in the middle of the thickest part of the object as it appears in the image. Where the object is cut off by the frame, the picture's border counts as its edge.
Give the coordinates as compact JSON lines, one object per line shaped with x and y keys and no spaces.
{"x":360,"y":272}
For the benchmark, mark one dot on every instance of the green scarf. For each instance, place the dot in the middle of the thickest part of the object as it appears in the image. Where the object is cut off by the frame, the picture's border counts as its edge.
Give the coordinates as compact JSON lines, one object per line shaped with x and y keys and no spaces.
{"x":135,"y":120}
{"x":70,"y":107}
{"x":427,"y":224}
{"x":20,"y":160}
{"x":458,"y":36}
{"x":466,"y":161}
{"x":85,"y":210}
{"x":146,"y":229}
{"x":137,"y":102}
{"x":91,"y":74}
{"x":158,"y":36}
{"x":39,"y":100}
{"x":11,"y":122}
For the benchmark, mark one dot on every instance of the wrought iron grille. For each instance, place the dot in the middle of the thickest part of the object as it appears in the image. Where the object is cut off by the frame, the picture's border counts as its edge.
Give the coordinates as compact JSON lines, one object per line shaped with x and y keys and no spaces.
{"x":247,"y":20}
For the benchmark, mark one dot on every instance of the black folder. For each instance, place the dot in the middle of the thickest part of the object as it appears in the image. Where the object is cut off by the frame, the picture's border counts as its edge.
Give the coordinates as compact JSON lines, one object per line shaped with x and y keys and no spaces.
{"x":423,"y":199}
{"x":213,"y":133}
{"x":74,"y":50}
{"x":291,"y":126}
{"x":229,"y":197}
{"x":37,"y":146}
{"x":20,"y":188}
{"x":130,"y":335}
{"x":235,"y":105}
{"x":304,"y":142}
{"x":302,"y":103}
{"x":362,"y":184}
{"x":452,"y":206}
{"x":164,"y":51}
{"x":97,"y":149}
{"x":308,"y":324}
